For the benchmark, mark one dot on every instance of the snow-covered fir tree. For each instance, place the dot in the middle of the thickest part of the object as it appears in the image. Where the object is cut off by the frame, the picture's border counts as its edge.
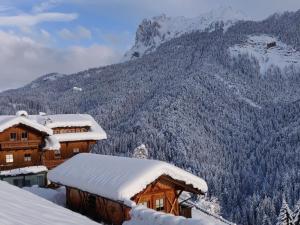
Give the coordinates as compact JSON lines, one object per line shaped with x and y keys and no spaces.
{"x":266,"y":220}
{"x":141,"y":152}
{"x":285,"y":216}
{"x":296,"y":214}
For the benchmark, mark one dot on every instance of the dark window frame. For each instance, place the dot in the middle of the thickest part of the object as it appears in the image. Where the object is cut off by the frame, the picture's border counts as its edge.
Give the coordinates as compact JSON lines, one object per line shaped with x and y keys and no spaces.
{"x":27,"y":157}
{"x":24,"y":136}
{"x":161,"y":205}
{"x":13,"y":136}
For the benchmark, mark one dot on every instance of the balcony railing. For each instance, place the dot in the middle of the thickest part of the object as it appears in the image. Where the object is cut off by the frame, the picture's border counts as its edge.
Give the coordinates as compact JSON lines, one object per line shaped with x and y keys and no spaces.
{"x":16,"y":165}
{"x":19,"y":144}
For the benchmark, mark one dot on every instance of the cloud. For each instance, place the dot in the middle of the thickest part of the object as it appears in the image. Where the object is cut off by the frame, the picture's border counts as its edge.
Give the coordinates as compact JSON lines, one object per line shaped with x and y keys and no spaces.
{"x":257,"y":9}
{"x":79,"y":33}
{"x":23,"y":59}
{"x":27,"y":20}
{"x":45,"y":6}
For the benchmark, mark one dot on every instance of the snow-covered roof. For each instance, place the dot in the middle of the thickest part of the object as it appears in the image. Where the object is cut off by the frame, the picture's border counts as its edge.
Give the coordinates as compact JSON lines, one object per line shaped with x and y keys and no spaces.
{"x":141,"y":215}
{"x":45,"y":123}
{"x":24,"y":170}
{"x":95,"y":131}
{"x":22,"y":207}
{"x":9,"y":121}
{"x":117,"y":178}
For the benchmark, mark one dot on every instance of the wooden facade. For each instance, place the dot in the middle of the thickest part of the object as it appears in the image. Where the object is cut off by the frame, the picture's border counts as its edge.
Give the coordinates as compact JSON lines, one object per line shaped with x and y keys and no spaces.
{"x":96,"y":207}
{"x":68,"y":149}
{"x":20,"y":146}
{"x":161,"y":195}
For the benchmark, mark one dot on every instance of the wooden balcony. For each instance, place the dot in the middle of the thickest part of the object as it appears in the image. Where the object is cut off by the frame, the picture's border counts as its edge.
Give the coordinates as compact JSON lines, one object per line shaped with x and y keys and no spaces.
{"x":50,"y":164}
{"x":11,"y":166}
{"x":15,"y":145}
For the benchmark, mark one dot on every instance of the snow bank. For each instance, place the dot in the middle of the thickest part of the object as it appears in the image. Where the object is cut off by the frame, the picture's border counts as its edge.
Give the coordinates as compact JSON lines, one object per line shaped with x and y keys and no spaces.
{"x":117,"y":178}
{"x":282,"y":55}
{"x":144,"y":216}
{"x":24,"y":170}
{"x":212,"y":219}
{"x":52,"y":143}
{"x":20,"y":207}
{"x":57,"y":196}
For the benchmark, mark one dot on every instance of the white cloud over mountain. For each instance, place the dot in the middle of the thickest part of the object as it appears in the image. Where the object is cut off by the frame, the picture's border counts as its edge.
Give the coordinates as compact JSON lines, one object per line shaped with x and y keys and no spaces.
{"x":23,"y":59}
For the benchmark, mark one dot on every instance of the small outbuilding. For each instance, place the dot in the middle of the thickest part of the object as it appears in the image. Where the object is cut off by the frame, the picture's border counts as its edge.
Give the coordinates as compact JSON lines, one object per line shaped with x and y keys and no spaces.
{"x":106,"y":188}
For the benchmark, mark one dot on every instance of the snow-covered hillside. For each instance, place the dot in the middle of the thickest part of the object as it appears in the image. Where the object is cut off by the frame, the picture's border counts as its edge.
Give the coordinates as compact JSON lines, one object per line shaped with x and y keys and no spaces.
{"x":281,"y":55}
{"x":153,"y":32}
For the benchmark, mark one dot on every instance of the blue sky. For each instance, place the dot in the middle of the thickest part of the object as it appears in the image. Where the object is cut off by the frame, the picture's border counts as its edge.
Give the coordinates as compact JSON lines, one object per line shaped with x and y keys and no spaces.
{"x":66,"y":36}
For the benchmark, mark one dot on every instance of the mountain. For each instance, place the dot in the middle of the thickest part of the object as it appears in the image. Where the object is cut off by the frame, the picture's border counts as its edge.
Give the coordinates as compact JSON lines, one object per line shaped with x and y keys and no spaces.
{"x":153,"y":32}
{"x":208,"y":101}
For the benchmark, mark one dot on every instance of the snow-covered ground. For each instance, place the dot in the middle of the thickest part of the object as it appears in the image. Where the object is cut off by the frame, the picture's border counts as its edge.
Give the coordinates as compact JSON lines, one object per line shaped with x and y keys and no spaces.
{"x":282,"y":55}
{"x":57,"y":196}
{"x":199,"y":215}
{"x":20,"y":207}
{"x":143,"y":216}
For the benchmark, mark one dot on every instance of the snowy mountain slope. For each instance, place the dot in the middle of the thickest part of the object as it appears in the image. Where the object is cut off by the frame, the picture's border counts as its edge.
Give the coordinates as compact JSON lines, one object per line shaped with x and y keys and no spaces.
{"x":153,"y":32}
{"x":47,"y":78}
{"x":281,"y":55}
{"x":194,"y":105}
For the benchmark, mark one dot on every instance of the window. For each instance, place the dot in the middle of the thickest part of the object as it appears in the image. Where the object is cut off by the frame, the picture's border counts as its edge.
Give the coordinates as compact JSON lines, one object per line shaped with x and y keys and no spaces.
{"x":145,"y":203}
{"x":159,"y":204}
{"x":27,"y":183}
{"x":57,"y":154}
{"x":27,"y":157}
{"x":24,"y":136}
{"x":18,"y":182}
{"x":13,"y":136}
{"x":75,"y":151}
{"x":9,"y":158}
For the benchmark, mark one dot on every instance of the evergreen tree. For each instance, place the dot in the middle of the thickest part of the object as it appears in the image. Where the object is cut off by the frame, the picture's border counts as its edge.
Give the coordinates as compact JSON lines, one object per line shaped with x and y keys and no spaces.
{"x":285,"y":216}
{"x":141,"y":152}
{"x":296,"y":215}
{"x":266,"y":220}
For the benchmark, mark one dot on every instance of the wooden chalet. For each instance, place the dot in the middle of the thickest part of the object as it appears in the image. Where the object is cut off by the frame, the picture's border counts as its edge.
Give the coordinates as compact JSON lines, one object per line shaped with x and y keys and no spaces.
{"x":75,"y":133}
{"x":105,"y":188}
{"x":28,"y":142}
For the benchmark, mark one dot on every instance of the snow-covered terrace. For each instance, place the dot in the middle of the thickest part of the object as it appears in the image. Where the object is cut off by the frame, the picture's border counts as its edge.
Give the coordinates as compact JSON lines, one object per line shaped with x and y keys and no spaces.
{"x":117,"y":178}
{"x":20,"y":207}
{"x":24,"y":170}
